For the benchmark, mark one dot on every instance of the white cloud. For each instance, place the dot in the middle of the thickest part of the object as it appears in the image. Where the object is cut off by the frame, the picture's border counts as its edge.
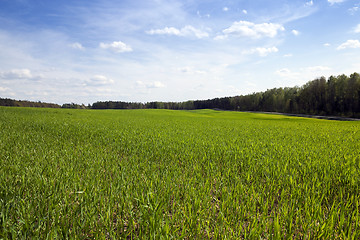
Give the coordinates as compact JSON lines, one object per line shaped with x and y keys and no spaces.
{"x":189,"y":30}
{"x":327,"y":44}
{"x":165,"y":31}
{"x":295,"y":32}
{"x":263,"y":52}
{"x":357,"y":29}
{"x":225,"y":9}
{"x":353,"y":10}
{"x":332,"y":2}
{"x":288,"y":55}
{"x":98,"y":80}
{"x":118,"y":47}
{"x":318,"y":69}
{"x":77,"y":45}
{"x":249,"y":29}
{"x":310,"y":3}
{"x":184,"y":32}
{"x":19,"y":74}
{"x":244,"y":11}
{"x":349,"y":44}
{"x":155,"y":84}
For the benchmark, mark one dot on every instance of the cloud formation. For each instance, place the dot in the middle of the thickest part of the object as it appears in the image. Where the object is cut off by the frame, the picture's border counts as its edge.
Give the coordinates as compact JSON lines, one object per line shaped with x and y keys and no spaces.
{"x":117,"y":47}
{"x":77,"y":45}
{"x":318,"y":69}
{"x":177,"y":54}
{"x":253,"y":30}
{"x":263,"y":52}
{"x":354,"y":9}
{"x":186,"y":31}
{"x":19,"y":74}
{"x":155,"y":84}
{"x":98,"y":80}
{"x":349,"y":44}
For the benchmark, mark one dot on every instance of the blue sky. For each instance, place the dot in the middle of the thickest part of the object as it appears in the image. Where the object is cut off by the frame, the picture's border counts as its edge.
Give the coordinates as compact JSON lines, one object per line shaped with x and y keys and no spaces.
{"x":130,"y":50}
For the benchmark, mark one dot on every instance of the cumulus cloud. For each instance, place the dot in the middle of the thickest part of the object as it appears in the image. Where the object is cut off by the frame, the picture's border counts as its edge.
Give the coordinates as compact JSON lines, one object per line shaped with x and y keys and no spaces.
{"x":19,"y":74}
{"x":155,"y":84}
{"x":263,"y":52}
{"x":98,"y":80}
{"x":77,"y":45}
{"x":349,"y":44}
{"x":253,"y":30}
{"x":117,"y":47}
{"x":295,"y":32}
{"x":183,"y":32}
{"x":327,"y":44}
{"x":332,"y":2}
{"x":225,"y":9}
{"x":244,"y":11}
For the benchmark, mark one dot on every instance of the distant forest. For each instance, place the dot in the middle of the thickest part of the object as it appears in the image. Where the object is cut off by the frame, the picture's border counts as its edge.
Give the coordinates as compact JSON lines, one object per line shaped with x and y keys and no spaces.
{"x":20,"y":103}
{"x":336,"y":96}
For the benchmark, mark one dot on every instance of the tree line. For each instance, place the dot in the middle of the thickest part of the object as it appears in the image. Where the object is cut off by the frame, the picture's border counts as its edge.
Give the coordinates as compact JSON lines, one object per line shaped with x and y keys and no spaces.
{"x":23,"y":103}
{"x":335,"y":96}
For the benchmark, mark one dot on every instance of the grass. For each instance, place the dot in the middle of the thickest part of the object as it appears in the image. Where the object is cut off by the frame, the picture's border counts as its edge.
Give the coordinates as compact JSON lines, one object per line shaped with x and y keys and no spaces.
{"x":162,"y":174}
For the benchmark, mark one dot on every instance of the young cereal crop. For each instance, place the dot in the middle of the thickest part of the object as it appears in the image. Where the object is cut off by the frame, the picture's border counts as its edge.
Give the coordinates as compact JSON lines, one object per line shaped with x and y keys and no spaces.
{"x":161,"y":174}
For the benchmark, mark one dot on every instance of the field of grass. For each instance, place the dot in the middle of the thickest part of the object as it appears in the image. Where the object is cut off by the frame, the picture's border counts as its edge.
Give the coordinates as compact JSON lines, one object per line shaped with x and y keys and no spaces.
{"x":161,"y":174}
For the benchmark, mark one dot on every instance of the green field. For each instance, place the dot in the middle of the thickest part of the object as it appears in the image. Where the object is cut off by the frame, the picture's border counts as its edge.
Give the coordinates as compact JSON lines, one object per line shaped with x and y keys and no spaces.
{"x":162,"y":174}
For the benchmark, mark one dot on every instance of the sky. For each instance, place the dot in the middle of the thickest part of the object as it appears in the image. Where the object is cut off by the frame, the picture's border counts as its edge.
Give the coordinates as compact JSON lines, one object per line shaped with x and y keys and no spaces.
{"x":83,"y":51}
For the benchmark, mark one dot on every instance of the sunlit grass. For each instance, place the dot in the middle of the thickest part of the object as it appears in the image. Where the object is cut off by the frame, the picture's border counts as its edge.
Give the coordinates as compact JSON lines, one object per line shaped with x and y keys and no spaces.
{"x":113,"y":174}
